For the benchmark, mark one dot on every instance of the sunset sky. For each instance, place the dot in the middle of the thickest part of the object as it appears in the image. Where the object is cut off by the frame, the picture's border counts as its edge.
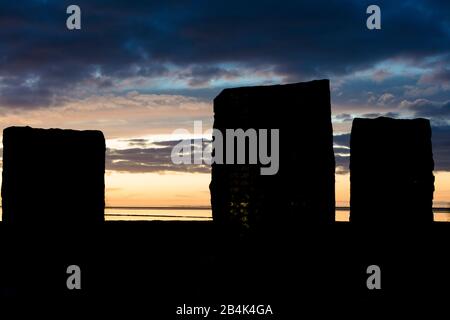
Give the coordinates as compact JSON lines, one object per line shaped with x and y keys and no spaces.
{"x":137,"y":70}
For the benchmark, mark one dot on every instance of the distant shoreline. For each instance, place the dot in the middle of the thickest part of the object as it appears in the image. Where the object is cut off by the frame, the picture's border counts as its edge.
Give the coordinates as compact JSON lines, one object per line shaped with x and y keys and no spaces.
{"x":438,"y":209}
{"x":435,"y":209}
{"x":163,"y":208}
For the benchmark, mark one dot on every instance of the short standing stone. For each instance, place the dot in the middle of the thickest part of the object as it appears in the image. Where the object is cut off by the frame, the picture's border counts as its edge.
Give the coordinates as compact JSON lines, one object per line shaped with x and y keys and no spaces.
{"x":53,"y":176}
{"x":391,"y":168}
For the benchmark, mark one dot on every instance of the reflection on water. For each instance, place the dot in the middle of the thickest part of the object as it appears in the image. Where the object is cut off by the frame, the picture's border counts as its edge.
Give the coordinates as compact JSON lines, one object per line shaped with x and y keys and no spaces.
{"x":164,"y":214}
{"x":204,"y":214}
{"x":440,"y":215}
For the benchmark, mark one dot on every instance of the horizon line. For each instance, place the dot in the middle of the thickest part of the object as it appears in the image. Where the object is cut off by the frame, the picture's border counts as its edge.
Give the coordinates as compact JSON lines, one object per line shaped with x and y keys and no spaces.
{"x":338,"y":208}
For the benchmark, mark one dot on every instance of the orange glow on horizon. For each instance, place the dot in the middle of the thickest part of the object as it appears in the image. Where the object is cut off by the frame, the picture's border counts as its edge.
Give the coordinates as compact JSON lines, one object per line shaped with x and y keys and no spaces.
{"x":157,"y":189}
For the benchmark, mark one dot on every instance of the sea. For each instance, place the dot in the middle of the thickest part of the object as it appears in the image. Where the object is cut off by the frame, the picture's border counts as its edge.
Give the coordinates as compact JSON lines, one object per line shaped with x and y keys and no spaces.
{"x":205,"y":214}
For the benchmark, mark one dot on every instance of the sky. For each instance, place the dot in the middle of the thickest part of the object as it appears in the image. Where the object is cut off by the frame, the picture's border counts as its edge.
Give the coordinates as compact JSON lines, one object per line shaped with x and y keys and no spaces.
{"x":137,"y":70}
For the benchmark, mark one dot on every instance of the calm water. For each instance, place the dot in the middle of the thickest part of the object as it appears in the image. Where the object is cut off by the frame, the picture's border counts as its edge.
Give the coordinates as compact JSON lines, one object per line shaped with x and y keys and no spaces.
{"x":440,"y":215}
{"x":165,"y":214}
{"x":204,"y":214}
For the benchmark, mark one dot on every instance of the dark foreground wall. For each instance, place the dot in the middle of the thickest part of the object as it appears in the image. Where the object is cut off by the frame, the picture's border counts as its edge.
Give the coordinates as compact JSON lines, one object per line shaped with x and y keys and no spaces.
{"x":303,"y":189}
{"x":53,"y":176}
{"x":391,"y":171}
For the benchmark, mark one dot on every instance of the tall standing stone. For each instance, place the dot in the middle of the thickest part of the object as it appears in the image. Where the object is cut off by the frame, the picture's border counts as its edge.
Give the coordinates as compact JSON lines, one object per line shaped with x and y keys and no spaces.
{"x":302,"y":191}
{"x":53,"y":177}
{"x":391,"y":171}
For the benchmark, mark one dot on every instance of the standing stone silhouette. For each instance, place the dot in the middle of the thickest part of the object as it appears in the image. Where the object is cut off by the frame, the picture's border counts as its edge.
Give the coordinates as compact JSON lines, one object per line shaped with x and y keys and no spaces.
{"x":302,"y":192}
{"x":391,"y":171}
{"x":53,"y":177}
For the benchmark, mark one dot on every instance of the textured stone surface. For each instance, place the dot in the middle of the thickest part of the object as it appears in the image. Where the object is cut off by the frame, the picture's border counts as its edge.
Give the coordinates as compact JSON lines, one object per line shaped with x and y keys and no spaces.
{"x":303,"y":189}
{"x":53,"y":176}
{"x":391,"y":168}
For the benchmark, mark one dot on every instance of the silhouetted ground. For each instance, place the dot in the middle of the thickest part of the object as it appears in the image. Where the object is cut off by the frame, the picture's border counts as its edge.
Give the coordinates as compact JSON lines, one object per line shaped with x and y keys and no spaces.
{"x":160,"y":265}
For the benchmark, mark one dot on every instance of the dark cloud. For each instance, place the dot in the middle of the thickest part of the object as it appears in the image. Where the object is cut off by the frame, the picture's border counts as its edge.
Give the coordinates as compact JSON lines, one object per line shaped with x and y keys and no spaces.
{"x":168,"y":143}
{"x":198,"y":76}
{"x":156,"y":158}
{"x":136,"y":142}
{"x":430,"y":109}
{"x":376,"y":115}
{"x":342,"y":140}
{"x":344,"y":117}
{"x":437,"y":76}
{"x":203,"y":41}
{"x":341,"y":150}
{"x":342,"y":164}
